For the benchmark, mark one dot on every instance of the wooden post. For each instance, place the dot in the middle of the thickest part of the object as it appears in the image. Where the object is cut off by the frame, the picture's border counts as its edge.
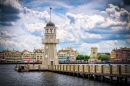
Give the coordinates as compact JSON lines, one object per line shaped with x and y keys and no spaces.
{"x":88,"y":68}
{"x":39,"y":67}
{"x":102,"y":78}
{"x":94,"y":68}
{"x":60,"y":67}
{"x":78,"y":67}
{"x":111,"y":79}
{"x":55,"y":67}
{"x":83,"y":68}
{"x":63,"y":67}
{"x":125,"y":69}
{"x":70,"y":67}
{"x":73,"y":67}
{"x":88,"y":76}
{"x":119,"y":69}
{"x":101,"y":68}
{"x":95,"y":77}
{"x":66,"y":67}
{"x":110,"y":69}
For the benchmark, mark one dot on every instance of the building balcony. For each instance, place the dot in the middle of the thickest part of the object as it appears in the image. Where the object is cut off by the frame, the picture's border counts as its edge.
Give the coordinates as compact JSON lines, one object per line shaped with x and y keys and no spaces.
{"x":55,"y":41}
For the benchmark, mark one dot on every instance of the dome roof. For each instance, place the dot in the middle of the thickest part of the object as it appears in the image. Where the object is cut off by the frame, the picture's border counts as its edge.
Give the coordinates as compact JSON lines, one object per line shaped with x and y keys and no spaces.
{"x":50,"y":24}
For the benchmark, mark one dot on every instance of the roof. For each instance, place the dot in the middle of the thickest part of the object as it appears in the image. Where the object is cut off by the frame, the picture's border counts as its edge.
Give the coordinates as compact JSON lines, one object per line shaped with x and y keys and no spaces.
{"x":50,"y":24}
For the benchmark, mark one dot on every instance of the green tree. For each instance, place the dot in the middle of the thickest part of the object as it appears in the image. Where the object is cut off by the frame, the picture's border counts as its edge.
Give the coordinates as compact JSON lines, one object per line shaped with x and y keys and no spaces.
{"x":86,"y":57}
{"x":103,"y":57}
{"x":82,"y":57}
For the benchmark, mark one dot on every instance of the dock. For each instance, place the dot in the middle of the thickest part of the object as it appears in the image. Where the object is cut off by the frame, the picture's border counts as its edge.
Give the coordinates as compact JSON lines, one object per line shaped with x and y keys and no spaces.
{"x":89,"y":71}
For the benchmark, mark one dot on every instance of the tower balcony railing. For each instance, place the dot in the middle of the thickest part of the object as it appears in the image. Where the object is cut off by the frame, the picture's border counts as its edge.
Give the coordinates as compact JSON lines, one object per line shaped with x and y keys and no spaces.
{"x":50,"y":41}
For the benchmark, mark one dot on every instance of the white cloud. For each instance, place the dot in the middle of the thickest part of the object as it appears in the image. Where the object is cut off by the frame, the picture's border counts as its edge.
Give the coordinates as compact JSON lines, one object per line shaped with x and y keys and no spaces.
{"x":5,"y":34}
{"x":21,"y":42}
{"x":32,"y":27}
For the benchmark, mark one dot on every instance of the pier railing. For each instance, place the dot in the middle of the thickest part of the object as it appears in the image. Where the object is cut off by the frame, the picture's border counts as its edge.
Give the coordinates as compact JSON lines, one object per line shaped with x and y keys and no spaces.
{"x":99,"y":69}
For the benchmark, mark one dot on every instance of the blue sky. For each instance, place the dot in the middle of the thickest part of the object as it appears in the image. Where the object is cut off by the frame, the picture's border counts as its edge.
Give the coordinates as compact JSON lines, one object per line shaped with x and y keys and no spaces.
{"x":81,"y":24}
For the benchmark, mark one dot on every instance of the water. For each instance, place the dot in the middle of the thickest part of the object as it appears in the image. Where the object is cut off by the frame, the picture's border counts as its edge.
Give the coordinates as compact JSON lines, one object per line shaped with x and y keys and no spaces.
{"x":9,"y":77}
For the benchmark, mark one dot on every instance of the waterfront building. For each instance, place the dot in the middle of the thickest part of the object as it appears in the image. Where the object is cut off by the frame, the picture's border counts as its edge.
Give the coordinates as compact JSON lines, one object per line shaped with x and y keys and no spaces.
{"x":68,"y":54}
{"x":112,"y":55}
{"x":50,"y":41}
{"x":2,"y":56}
{"x":122,"y":55}
{"x":38,"y":54}
{"x":12,"y":55}
{"x":93,"y":55}
{"x":28,"y":56}
{"x":107,"y":54}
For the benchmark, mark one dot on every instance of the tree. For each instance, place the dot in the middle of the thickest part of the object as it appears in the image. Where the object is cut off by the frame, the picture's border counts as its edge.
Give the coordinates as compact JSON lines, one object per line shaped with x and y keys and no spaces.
{"x":86,"y":57}
{"x":103,"y":57}
{"x":82,"y":57}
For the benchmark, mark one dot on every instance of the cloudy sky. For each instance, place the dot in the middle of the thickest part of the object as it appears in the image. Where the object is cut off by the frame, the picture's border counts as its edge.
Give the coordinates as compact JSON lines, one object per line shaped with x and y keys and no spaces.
{"x":81,"y":24}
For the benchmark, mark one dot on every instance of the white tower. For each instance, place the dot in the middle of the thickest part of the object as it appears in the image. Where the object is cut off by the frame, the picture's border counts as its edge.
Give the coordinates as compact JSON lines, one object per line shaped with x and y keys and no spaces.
{"x":50,"y":41}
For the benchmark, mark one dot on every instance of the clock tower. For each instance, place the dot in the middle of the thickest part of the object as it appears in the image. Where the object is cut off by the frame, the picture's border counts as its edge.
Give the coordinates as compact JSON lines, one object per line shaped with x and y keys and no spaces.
{"x":50,"y":41}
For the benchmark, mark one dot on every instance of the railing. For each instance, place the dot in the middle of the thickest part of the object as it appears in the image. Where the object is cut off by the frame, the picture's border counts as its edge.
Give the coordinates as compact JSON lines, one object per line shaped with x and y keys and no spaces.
{"x":100,"y":69}
{"x":50,"y":41}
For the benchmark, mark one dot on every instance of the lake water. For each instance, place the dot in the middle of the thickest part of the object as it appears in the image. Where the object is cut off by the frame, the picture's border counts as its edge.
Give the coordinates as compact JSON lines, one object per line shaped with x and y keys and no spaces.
{"x":9,"y":77}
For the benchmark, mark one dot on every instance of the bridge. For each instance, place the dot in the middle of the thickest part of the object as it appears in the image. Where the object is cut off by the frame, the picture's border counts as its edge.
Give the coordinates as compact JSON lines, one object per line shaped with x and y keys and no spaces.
{"x":90,"y":71}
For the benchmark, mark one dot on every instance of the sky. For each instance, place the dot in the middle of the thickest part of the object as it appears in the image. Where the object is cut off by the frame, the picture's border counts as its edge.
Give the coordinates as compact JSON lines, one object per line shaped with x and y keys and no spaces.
{"x":81,"y":24}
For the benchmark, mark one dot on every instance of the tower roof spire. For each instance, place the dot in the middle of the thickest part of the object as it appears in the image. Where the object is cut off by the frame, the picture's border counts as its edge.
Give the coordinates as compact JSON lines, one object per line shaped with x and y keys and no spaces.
{"x":50,"y":14}
{"x":50,"y":23}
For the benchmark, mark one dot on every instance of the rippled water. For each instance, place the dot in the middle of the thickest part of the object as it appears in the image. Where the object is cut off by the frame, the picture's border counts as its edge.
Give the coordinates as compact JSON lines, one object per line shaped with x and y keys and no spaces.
{"x":9,"y":77}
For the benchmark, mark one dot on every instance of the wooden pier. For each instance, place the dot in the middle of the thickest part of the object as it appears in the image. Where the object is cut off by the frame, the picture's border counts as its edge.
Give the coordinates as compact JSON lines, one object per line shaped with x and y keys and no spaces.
{"x":90,"y":71}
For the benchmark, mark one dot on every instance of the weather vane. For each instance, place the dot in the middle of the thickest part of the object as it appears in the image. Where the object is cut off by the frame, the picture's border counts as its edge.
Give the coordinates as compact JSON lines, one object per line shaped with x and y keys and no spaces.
{"x":50,"y":14}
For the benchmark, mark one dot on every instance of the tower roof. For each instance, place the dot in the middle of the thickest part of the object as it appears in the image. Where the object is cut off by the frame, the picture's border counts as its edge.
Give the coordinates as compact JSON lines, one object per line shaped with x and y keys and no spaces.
{"x":50,"y":24}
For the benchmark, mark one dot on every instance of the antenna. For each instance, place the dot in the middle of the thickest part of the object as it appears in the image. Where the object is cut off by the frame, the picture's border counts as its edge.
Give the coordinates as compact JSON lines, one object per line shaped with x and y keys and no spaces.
{"x":50,"y":14}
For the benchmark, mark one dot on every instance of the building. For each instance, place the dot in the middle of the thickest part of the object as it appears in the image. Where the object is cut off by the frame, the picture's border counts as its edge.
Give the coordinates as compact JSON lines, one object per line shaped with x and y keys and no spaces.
{"x":68,"y":52}
{"x":25,"y":56}
{"x":2,"y":56}
{"x":12,"y":56}
{"x":38,"y":55}
{"x":28,"y":56}
{"x":93,"y":55}
{"x":50,"y":41}
{"x":122,"y":55}
{"x":107,"y":54}
{"x":112,"y":55}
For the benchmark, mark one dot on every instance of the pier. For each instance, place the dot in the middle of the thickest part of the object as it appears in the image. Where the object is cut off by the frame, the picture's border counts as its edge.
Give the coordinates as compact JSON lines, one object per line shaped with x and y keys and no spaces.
{"x":89,"y":71}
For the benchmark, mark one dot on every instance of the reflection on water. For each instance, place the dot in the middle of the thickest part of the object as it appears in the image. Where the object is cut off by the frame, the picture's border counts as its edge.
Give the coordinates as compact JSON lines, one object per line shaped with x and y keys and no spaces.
{"x":9,"y":77}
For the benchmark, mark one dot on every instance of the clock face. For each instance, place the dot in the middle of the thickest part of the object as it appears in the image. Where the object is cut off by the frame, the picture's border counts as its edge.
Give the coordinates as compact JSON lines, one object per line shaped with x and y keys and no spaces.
{"x":46,"y":56}
{"x":46,"y":47}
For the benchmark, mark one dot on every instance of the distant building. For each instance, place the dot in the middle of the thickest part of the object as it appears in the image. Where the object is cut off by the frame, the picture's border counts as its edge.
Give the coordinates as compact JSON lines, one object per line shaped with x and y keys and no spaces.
{"x":112,"y":55}
{"x":107,"y":54}
{"x":38,"y":54}
{"x":12,"y":55}
{"x":93,"y":55}
{"x":28,"y":56}
{"x":122,"y":54}
{"x":2,"y":57}
{"x":68,"y":53}
{"x":24,"y":56}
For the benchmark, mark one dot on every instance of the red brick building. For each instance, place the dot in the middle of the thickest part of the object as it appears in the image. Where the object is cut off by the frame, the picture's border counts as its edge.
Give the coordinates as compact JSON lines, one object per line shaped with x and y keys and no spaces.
{"x":122,"y":55}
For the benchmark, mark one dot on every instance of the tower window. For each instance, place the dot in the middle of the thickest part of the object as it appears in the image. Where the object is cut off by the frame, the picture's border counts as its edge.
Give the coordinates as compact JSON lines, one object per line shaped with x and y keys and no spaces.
{"x":50,"y":30}
{"x":47,"y":31}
